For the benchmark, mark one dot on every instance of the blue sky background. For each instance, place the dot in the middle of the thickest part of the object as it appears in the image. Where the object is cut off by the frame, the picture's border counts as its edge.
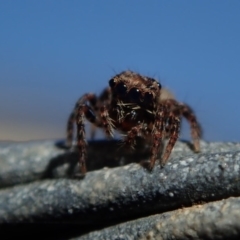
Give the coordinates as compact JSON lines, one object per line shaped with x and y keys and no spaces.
{"x":51,"y":52}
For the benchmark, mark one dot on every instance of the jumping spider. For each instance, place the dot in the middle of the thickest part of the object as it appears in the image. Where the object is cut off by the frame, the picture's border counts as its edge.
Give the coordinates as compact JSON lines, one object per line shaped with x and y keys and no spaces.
{"x":137,"y":106}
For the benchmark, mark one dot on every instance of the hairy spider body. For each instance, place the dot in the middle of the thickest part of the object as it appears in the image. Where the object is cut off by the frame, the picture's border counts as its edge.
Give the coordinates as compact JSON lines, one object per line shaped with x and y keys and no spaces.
{"x":136,"y":106}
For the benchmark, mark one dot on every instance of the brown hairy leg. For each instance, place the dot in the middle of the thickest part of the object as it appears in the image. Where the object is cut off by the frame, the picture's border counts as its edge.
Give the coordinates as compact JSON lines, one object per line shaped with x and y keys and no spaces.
{"x":158,"y":129}
{"x":174,"y":123}
{"x":196,"y":130}
{"x":91,"y":99}
{"x":189,"y":115}
{"x":103,"y":99}
{"x":82,"y":111}
{"x":106,"y":121}
{"x":130,"y":139}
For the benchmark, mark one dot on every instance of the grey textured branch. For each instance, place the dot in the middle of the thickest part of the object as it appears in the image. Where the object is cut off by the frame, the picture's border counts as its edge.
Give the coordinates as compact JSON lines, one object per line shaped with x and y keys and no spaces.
{"x":114,"y":195}
{"x":217,"y":220}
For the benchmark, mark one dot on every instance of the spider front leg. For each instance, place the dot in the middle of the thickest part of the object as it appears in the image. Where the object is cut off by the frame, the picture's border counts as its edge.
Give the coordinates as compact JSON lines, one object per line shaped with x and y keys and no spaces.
{"x":89,"y":97}
{"x":106,"y":121}
{"x":130,"y":139}
{"x":188,"y":113}
{"x":196,"y":130}
{"x":158,"y":131}
{"x":174,"y":129}
{"x":70,"y":129}
{"x":83,"y":111}
{"x":81,"y":140}
{"x":103,"y":99}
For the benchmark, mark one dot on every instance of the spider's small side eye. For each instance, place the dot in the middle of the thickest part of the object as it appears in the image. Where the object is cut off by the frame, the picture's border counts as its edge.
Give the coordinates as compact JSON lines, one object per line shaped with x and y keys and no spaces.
{"x":134,"y":94}
{"x":112,"y":83}
{"x":121,"y":88}
{"x":154,"y":84}
{"x":159,"y":85}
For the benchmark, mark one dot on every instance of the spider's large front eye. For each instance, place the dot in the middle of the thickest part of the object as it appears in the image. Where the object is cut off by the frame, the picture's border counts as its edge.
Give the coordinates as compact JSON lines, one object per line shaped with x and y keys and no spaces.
{"x":121,"y":88}
{"x":134,"y":94}
{"x":112,"y":83}
{"x":148,"y":97}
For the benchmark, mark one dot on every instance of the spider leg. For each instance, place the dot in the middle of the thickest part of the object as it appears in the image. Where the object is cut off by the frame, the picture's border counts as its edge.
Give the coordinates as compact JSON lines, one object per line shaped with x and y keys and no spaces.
{"x":105,"y":96}
{"x":130,"y":139}
{"x":174,"y":129}
{"x":82,"y":110}
{"x":91,"y":98}
{"x":70,"y":129}
{"x":188,"y":113}
{"x":158,"y":129}
{"x":81,"y":143}
{"x":106,"y":121}
{"x":196,"y":130}
{"x":103,"y":99}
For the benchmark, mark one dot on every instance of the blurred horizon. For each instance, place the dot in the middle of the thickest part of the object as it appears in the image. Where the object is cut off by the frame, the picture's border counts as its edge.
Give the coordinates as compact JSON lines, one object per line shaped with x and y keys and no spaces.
{"x":52,"y":52}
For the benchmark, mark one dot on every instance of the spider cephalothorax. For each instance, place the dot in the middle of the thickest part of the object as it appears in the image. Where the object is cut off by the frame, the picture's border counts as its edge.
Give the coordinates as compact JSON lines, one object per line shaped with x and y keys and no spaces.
{"x":136,"y":106}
